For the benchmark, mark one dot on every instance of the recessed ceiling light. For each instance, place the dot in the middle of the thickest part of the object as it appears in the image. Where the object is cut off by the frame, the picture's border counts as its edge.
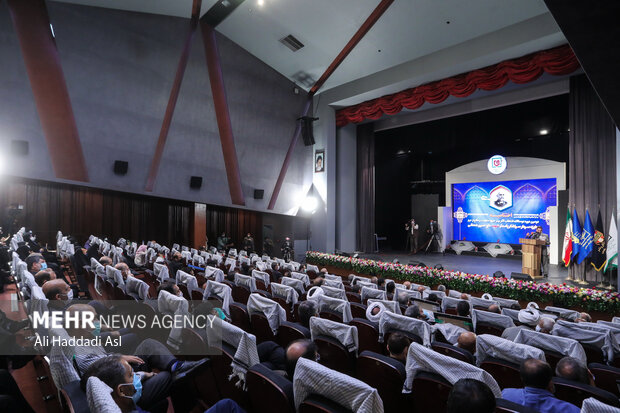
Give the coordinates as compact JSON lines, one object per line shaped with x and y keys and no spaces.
{"x":260,"y":2}
{"x":544,"y":132}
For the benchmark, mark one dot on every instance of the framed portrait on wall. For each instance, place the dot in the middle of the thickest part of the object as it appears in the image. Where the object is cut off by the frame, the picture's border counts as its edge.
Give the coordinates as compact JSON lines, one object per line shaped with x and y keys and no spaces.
{"x":319,"y":160}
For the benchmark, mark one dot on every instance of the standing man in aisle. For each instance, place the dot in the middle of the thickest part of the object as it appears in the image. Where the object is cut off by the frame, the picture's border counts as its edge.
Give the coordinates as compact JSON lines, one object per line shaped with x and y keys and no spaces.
{"x":248,"y":243}
{"x":412,"y":236}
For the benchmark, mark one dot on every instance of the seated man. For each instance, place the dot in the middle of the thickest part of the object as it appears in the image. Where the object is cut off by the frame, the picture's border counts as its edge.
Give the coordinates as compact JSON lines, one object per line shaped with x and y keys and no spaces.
{"x":433,"y":297}
{"x":275,"y":270}
{"x":441,"y":288}
{"x":398,"y":346}
{"x":58,"y":293}
{"x":494,"y":308}
{"x":545,"y":325}
{"x":303,"y":348}
{"x":381,"y":284}
{"x":175,"y":264}
{"x":35,"y":263}
{"x":462,"y":308}
{"x":407,"y":285}
{"x":44,"y":276}
{"x":584,"y":318}
{"x":171,"y":287}
{"x":306,"y":310}
{"x":389,"y":290}
{"x":570,"y":368}
{"x":105,"y":261}
{"x":152,"y":355}
{"x":464,"y":296}
{"x":414,"y":311}
{"x":124,"y":269}
{"x":538,"y":392}
{"x":317,"y":282}
{"x":127,"y":387}
{"x":403,"y":298}
{"x":271,"y":355}
{"x":470,"y":396}
{"x":467,"y":341}
{"x":528,"y":317}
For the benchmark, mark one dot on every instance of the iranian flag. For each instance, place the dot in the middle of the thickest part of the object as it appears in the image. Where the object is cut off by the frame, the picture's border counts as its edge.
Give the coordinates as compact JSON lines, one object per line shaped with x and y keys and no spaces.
{"x":567,"y":249}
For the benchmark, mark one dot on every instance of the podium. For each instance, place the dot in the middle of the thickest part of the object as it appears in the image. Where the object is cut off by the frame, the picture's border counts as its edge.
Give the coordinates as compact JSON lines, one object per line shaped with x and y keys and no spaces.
{"x":532,"y":253}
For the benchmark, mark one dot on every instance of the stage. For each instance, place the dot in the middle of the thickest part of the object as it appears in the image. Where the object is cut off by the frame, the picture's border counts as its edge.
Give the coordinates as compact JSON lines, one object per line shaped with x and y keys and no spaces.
{"x":472,"y":264}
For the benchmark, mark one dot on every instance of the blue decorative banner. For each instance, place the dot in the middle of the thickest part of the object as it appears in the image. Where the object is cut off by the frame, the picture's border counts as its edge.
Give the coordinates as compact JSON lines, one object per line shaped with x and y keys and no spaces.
{"x":502,"y":211}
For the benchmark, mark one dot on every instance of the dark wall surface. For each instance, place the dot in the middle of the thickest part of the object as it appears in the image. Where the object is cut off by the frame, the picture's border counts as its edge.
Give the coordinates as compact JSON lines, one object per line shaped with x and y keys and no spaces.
{"x":119,"y":68}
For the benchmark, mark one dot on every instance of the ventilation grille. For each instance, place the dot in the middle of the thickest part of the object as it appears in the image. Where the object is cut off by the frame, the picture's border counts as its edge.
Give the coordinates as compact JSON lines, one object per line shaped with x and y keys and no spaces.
{"x":291,"y":42}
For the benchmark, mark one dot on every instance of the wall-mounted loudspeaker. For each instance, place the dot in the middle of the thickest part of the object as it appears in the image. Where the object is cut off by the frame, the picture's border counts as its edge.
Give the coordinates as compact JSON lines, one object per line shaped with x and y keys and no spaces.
{"x":195,"y":182}
{"x":19,"y":148}
{"x":307,"y":130}
{"x":120,"y":167}
{"x":520,"y":276}
{"x":258,"y":193}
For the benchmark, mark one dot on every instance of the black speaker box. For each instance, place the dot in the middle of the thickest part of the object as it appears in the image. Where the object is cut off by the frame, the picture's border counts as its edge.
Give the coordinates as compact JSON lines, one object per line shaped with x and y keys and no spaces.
{"x":499,"y":274}
{"x":258,"y":193}
{"x":121,"y":167}
{"x":520,"y":276}
{"x":195,"y":182}
{"x":307,"y":130}
{"x":19,"y":147}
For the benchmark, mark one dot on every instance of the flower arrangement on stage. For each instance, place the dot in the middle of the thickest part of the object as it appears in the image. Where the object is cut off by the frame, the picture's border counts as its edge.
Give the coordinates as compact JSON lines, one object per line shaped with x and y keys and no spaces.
{"x":561,"y":295}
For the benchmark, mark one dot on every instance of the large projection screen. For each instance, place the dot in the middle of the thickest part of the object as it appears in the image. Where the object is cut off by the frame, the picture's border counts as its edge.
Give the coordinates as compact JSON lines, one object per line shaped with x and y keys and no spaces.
{"x":502,"y":211}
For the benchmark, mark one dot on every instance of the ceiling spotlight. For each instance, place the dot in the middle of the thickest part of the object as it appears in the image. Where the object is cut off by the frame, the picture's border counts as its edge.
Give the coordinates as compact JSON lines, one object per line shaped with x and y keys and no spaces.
{"x":261,"y":2}
{"x":544,"y":131}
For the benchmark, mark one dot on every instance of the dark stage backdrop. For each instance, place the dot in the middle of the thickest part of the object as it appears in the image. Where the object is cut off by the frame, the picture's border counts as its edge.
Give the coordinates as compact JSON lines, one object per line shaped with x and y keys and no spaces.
{"x":423,"y":209}
{"x":413,"y":159}
{"x":236,"y":222}
{"x":366,"y":187}
{"x":81,"y":211}
{"x":592,"y":166}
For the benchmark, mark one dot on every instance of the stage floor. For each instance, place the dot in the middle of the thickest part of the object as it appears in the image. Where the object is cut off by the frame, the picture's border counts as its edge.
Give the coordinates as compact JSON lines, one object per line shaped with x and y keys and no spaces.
{"x":470,"y":264}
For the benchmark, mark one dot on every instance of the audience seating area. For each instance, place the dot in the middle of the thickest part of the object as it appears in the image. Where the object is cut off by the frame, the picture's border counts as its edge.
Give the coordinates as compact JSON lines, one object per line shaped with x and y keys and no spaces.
{"x":355,"y":318}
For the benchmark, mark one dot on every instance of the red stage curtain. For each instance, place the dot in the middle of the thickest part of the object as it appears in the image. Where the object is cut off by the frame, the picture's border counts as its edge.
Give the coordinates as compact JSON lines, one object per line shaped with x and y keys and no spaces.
{"x":557,"y":61}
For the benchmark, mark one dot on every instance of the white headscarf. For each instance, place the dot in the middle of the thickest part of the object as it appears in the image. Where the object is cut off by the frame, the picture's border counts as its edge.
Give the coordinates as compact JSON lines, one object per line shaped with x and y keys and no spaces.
{"x":530,"y":315}
{"x":375,"y":318}
{"x":314,"y":293}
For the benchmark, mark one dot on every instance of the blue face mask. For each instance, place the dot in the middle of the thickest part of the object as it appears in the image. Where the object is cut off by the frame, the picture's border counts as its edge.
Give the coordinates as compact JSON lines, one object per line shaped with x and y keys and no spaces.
{"x":43,"y":265}
{"x":220,"y":313}
{"x":97,"y":331}
{"x":137,"y":385}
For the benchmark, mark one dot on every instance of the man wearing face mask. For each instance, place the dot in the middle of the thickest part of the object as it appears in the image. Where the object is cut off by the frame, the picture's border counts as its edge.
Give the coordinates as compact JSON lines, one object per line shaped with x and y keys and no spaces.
{"x":58,"y":293}
{"x":152,"y":355}
{"x":35,"y":263}
{"x":127,"y":389}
